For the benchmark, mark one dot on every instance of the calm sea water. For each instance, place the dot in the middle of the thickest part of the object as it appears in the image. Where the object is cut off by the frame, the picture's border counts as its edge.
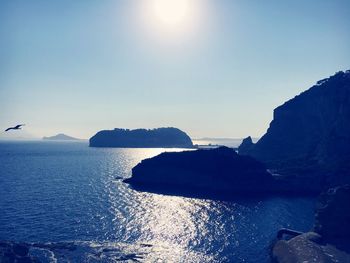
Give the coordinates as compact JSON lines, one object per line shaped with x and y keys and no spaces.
{"x":53,"y":192}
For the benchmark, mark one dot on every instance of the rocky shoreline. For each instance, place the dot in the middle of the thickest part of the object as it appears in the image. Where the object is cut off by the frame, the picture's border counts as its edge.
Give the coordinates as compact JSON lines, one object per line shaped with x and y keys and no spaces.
{"x":329,"y":240}
{"x":78,"y":251}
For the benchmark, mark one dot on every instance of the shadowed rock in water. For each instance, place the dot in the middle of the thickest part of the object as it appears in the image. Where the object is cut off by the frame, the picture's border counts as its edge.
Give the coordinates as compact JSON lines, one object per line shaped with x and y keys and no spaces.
{"x":220,"y":169}
{"x":246,"y":145}
{"x":142,"y":138}
{"x":310,"y":134}
{"x":330,"y":239}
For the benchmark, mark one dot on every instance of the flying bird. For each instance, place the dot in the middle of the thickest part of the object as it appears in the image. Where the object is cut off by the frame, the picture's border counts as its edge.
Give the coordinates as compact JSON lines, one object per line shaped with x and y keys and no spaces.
{"x":17,"y":127}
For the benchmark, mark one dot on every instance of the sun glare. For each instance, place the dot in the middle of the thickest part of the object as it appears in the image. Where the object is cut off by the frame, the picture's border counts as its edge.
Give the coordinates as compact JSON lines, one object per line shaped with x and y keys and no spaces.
{"x":170,"y":22}
{"x":171,"y":12}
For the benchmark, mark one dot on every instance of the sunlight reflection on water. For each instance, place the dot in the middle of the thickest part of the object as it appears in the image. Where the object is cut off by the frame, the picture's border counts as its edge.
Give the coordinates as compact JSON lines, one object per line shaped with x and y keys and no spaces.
{"x":70,"y":192}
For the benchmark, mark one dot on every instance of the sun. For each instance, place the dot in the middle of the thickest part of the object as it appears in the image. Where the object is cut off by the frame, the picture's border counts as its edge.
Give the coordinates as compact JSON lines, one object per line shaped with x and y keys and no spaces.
{"x":170,"y":22}
{"x":171,"y":12}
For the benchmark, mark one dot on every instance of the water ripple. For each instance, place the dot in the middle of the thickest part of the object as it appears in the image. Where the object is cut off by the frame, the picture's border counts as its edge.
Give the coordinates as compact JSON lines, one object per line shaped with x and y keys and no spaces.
{"x":52,"y":192}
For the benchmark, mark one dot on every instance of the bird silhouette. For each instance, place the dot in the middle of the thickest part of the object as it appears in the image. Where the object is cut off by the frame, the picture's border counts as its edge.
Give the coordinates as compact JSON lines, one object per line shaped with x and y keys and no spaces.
{"x":17,"y":127}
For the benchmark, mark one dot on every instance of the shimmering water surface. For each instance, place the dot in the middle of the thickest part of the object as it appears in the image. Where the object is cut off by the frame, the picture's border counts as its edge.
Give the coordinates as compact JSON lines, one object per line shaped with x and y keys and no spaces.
{"x":66,"y":191}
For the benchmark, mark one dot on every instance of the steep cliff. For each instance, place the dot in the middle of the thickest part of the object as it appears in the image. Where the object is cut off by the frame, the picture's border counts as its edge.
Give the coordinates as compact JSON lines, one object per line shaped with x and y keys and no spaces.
{"x":310,"y":134}
{"x":142,"y":138}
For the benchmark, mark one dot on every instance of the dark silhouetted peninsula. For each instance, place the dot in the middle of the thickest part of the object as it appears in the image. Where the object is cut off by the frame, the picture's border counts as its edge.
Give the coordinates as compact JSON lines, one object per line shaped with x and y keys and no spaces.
{"x":201,"y":171}
{"x":61,"y":137}
{"x":142,"y":138}
{"x":219,"y":173}
{"x":309,"y":136}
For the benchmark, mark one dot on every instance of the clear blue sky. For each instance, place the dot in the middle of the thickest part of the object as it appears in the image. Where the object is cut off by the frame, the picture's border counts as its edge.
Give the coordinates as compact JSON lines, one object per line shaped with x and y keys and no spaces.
{"x":81,"y":66}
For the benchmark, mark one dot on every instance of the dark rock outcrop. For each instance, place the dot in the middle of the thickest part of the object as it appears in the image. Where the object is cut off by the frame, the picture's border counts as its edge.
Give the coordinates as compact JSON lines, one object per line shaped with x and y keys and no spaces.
{"x":308,"y":247}
{"x":246,"y":146}
{"x":332,"y":216}
{"x":219,"y":170}
{"x":310,"y":134}
{"x":329,"y":241}
{"x":142,"y":138}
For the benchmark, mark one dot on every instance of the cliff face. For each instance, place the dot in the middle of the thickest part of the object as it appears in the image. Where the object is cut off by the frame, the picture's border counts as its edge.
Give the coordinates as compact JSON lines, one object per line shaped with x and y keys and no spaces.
{"x":310,"y":132}
{"x":142,"y":138}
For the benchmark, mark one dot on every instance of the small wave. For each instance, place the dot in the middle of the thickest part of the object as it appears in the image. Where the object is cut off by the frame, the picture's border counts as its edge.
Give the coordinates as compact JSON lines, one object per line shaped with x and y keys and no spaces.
{"x":90,"y":251}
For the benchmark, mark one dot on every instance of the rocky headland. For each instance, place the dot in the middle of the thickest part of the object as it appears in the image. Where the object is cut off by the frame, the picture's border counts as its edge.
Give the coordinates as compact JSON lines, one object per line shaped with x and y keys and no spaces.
{"x":309,"y":136}
{"x":219,"y":170}
{"x":218,"y":173}
{"x":142,"y":138}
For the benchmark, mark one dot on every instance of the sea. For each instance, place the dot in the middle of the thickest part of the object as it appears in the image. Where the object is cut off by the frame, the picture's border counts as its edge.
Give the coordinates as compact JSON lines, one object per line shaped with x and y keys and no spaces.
{"x":70,"y":203}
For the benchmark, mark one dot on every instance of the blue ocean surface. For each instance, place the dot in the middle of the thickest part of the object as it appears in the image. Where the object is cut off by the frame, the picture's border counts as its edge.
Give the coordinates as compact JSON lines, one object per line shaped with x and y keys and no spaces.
{"x":68,"y":192}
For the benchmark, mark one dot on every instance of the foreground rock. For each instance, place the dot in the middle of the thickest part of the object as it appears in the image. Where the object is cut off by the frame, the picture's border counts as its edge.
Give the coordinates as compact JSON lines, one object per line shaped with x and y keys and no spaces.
{"x":329,"y":241}
{"x":219,"y":170}
{"x":142,"y":138}
{"x":332,"y":216}
{"x":310,"y":134}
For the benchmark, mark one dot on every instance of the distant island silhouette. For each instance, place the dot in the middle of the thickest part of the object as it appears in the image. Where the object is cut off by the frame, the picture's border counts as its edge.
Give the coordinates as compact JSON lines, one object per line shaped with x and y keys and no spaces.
{"x":61,"y":137}
{"x":306,"y":149}
{"x":228,"y":142}
{"x":142,"y":138}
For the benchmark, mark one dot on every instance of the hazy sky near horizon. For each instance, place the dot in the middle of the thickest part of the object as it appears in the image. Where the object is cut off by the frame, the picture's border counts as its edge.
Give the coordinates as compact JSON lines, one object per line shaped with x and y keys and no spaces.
{"x":213,"y":68}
